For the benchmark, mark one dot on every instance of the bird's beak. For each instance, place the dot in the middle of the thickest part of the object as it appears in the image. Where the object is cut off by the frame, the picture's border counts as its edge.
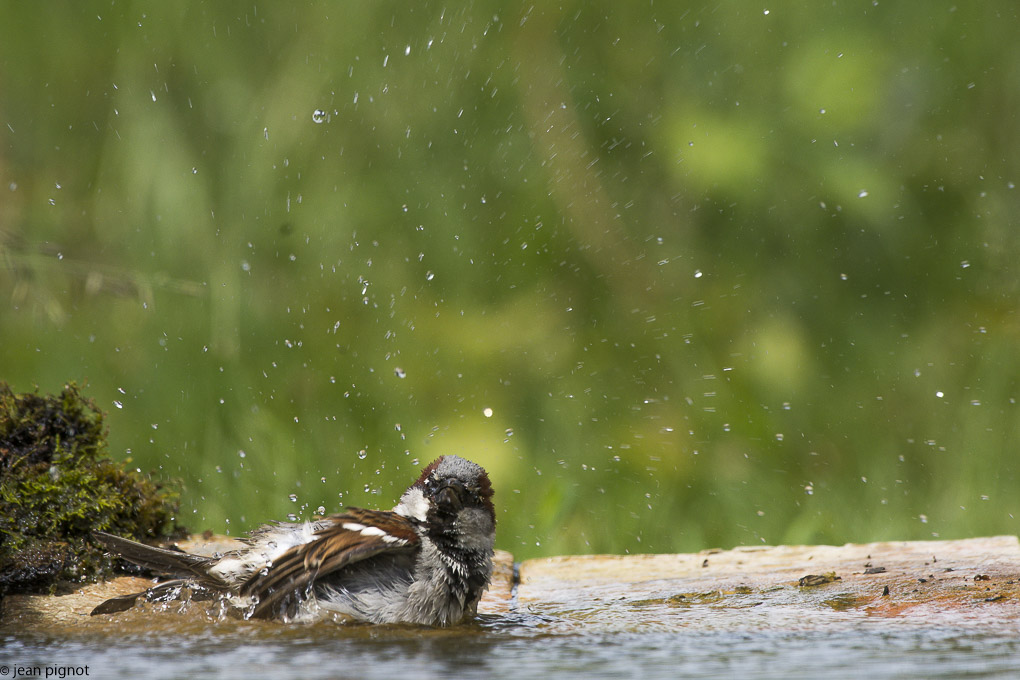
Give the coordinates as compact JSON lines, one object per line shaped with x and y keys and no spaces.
{"x":451,"y":495}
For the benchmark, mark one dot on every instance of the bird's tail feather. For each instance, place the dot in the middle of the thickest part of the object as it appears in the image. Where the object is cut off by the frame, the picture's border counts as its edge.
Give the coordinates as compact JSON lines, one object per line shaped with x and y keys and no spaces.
{"x":170,"y":562}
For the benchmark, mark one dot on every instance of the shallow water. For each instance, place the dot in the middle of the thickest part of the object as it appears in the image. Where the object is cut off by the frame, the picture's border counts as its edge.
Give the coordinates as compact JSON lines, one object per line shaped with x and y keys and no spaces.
{"x":742,"y":616}
{"x":516,"y":646}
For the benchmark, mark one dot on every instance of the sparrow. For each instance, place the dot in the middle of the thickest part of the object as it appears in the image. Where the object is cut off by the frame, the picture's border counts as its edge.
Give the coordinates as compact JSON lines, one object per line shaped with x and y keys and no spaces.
{"x":425,"y":562}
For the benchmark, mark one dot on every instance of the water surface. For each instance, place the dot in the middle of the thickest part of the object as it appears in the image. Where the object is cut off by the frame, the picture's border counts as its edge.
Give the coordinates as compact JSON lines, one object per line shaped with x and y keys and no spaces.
{"x":522,"y":646}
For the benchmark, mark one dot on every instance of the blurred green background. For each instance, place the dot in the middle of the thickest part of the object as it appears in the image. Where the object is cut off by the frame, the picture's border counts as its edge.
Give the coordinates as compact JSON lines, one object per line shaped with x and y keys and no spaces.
{"x":680,"y":275}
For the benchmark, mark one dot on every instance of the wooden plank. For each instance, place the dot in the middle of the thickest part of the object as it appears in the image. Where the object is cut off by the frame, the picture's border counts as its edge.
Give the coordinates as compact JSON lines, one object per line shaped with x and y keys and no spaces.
{"x":971,"y":582}
{"x":786,"y":587}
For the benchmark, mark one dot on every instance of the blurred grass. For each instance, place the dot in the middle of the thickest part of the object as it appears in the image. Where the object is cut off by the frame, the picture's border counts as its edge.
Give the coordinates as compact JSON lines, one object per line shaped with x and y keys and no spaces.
{"x":722,"y":276}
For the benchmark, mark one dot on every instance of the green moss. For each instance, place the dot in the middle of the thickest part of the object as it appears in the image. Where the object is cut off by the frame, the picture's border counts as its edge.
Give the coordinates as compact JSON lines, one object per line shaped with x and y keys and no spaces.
{"x":57,"y":486}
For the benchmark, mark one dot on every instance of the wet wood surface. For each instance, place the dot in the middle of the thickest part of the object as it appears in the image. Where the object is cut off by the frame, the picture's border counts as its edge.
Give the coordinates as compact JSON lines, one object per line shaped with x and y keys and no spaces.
{"x":919,"y":583}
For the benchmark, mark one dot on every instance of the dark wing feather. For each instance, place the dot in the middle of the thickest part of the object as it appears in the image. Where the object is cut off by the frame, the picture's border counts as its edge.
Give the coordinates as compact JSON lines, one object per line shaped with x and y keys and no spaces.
{"x":114,"y":605}
{"x":122,"y":603}
{"x":171,"y":562}
{"x":354,"y":536}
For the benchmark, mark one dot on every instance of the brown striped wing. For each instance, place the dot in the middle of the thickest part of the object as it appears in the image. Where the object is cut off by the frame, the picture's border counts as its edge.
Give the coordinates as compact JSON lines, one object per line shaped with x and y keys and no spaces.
{"x":351,"y":537}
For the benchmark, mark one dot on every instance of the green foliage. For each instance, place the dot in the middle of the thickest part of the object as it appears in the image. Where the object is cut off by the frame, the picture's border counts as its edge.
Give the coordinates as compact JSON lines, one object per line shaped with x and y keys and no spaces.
{"x":57,"y":486}
{"x":722,"y":276}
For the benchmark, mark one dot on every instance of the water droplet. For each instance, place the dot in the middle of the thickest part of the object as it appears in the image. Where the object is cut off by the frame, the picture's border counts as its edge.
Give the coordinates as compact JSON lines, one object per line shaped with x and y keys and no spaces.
{"x":293,"y":498}
{"x":698,"y":274}
{"x":318,"y":116}
{"x":487,"y":412}
{"x":779,"y":436}
{"x":362,"y":454}
{"x":429,"y":276}
{"x":862,"y":194}
{"x":809,"y":490}
{"x":407,"y":50}
{"x":321,"y":510}
{"x":118,"y":404}
{"x":923,"y":518}
{"x":939,"y":394}
{"x":241,"y":453}
{"x":399,"y":372}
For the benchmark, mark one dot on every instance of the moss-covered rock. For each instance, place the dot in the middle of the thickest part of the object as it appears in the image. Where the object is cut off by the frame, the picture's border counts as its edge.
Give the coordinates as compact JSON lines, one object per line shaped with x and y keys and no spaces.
{"x":57,"y":486}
